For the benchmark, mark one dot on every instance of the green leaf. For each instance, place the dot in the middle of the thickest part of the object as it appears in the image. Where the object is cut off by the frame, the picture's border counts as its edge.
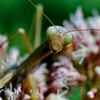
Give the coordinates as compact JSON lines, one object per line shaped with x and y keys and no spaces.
{"x":74,"y":94}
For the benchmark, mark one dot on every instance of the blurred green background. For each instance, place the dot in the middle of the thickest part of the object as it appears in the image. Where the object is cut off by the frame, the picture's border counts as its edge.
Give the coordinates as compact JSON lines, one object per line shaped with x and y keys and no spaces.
{"x":19,"y":13}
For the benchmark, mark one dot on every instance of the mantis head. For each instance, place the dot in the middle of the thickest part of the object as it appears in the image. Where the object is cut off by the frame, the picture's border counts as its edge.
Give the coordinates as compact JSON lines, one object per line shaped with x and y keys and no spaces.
{"x":58,"y":37}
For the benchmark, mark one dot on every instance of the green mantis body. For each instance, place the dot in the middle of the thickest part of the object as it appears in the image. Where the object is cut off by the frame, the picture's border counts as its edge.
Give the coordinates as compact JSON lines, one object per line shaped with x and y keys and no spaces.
{"x":57,"y":38}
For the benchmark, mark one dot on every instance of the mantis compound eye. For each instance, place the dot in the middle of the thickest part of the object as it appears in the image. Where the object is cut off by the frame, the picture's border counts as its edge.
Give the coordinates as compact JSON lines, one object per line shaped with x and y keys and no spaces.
{"x":58,"y":37}
{"x":68,"y":38}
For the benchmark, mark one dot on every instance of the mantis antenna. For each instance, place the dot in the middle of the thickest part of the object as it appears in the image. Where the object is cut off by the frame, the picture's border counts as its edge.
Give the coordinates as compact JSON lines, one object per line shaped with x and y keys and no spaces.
{"x":42,"y":13}
{"x":55,"y":26}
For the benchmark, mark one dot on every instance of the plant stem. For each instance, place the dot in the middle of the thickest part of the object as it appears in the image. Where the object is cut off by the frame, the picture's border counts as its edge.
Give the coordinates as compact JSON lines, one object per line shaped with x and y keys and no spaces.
{"x":82,"y":90}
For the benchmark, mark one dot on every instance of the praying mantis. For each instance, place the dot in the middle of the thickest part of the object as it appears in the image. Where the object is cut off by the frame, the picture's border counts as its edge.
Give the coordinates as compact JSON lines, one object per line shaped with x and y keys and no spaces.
{"x":57,"y":38}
